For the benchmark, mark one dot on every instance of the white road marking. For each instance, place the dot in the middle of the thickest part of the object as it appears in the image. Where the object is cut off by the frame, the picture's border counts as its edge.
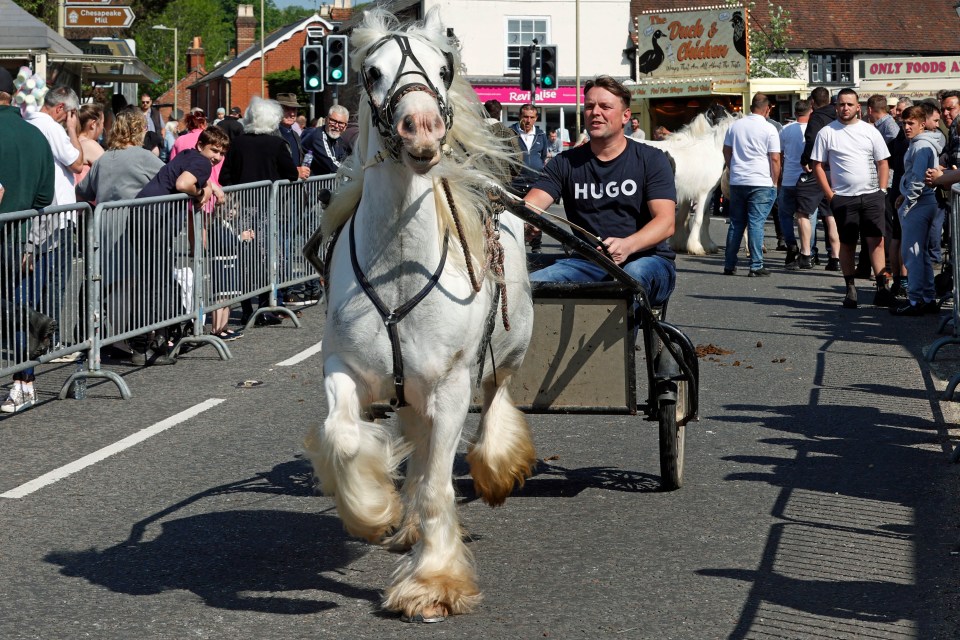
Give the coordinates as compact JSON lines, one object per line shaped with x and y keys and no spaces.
{"x":303,"y":355}
{"x":59,"y":474}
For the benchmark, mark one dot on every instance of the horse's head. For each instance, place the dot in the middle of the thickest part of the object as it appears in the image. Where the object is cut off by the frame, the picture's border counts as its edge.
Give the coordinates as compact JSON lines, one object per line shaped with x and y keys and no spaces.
{"x":715,"y":113}
{"x":407,"y":76}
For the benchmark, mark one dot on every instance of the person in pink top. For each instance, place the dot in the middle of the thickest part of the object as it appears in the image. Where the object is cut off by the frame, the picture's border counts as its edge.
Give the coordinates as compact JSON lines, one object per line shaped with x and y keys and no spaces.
{"x":91,"y":128}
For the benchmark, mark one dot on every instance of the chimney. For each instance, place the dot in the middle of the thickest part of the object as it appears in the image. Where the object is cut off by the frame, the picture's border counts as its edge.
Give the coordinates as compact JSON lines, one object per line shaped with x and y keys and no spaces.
{"x":196,"y":58}
{"x":246,"y":27}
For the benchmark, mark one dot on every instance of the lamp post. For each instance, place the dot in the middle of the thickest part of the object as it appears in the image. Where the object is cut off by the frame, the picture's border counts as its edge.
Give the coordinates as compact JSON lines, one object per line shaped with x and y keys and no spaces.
{"x":176,"y":68}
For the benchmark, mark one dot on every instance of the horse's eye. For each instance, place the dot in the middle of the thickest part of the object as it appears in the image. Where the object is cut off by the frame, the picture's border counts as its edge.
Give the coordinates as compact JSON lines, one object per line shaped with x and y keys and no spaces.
{"x":445,"y":75}
{"x":374,"y":74}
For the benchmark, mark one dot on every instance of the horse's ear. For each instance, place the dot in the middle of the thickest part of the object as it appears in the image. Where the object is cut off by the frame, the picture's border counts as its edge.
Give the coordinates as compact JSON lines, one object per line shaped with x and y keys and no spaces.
{"x":432,"y":20}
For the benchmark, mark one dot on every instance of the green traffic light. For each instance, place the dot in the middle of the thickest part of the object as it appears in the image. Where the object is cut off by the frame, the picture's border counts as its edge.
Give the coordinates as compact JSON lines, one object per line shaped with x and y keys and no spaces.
{"x":313,"y":82}
{"x":336,"y":74}
{"x":548,"y":81}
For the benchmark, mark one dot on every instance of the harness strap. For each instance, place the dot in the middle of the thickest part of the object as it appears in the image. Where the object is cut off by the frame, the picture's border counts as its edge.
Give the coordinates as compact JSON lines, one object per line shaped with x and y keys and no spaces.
{"x":392,"y":318}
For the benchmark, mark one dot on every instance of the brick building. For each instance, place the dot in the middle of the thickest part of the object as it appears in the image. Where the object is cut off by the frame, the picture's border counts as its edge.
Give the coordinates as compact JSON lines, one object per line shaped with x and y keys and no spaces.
{"x":233,"y":83}
{"x":196,"y":69}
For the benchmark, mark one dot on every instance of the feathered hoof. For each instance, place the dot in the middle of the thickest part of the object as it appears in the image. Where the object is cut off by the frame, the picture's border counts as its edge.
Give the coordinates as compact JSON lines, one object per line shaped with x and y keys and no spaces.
{"x":433,"y":598}
{"x":696,"y":249}
{"x":403,"y":539}
{"x":494,"y":480}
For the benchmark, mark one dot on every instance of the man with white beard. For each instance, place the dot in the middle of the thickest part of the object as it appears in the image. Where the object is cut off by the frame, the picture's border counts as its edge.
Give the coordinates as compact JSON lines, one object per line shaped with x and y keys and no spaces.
{"x":329,"y":148}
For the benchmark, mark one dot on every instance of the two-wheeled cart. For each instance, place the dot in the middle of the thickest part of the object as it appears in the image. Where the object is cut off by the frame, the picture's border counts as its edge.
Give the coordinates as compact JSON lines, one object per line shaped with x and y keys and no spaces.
{"x":583,"y":353}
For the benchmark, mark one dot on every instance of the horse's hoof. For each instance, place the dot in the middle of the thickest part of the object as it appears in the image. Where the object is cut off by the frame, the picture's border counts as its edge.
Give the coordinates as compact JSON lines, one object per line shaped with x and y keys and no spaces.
{"x":421,"y":618}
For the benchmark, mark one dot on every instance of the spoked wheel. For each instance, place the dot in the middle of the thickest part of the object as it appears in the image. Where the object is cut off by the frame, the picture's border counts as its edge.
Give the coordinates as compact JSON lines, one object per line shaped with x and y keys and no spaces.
{"x":672,"y":435}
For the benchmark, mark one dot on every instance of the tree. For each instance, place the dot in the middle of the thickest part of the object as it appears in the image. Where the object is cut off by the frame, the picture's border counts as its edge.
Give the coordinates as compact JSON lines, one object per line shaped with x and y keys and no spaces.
{"x":769,"y":41}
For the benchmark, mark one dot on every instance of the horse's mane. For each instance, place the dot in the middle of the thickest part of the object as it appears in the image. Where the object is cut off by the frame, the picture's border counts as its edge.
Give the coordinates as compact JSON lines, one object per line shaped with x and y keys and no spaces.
{"x":471,"y":154}
{"x":698,"y":128}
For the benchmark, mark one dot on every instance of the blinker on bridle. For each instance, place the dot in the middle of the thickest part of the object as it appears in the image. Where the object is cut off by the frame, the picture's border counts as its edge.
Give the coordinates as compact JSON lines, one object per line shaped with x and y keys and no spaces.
{"x":382,"y":116}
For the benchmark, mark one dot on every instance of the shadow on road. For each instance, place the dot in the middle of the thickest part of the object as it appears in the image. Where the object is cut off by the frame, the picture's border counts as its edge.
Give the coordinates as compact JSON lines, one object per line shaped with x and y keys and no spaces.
{"x":238,"y":559}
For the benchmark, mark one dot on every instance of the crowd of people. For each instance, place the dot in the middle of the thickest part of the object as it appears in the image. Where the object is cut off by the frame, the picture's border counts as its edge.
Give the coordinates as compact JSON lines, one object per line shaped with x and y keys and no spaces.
{"x":875,"y":172}
{"x":70,"y":153}
{"x":877,"y":181}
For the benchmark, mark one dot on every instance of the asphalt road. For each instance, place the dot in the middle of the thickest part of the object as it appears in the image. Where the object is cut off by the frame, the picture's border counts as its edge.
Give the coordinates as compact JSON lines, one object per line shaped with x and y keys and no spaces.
{"x":819,"y":499}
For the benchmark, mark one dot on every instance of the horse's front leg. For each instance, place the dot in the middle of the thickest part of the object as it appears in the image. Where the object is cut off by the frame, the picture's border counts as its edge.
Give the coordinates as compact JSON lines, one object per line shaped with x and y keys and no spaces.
{"x":703,"y":223}
{"x":416,"y":432}
{"x":437,"y":577}
{"x":354,"y":459}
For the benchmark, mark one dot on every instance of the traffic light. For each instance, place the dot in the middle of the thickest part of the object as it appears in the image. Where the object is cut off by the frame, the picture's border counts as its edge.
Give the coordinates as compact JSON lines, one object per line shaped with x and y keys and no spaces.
{"x":548,"y":66}
{"x":336,"y":59}
{"x":311,"y":67}
{"x":528,"y":68}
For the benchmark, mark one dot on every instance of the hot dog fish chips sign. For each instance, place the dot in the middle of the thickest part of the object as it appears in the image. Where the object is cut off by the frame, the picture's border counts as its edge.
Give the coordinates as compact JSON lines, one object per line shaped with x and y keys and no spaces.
{"x":708,"y":42}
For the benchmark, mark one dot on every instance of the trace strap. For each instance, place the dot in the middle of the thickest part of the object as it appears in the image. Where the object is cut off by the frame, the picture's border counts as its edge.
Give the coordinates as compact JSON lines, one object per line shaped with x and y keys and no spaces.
{"x":392,"y":318}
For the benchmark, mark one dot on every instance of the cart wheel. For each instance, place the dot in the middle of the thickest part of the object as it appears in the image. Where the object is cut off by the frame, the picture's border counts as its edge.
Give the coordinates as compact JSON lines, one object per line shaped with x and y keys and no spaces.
{"x":672,"y":438}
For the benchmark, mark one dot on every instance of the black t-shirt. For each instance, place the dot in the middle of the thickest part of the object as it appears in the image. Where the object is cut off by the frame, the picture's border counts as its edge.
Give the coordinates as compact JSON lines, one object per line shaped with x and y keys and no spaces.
{"x":610,"y":198}
{"x":165,"y":182}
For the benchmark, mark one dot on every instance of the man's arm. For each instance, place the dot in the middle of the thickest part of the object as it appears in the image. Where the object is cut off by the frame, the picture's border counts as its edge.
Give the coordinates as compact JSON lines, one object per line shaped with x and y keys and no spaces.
{"x":883,"y":174}
{"x":775,"y":165}
{"x":727,"y":154}
{"x":660,"y":227}
{"x":73,"y":129}
{"x":538,"y":198}
{"x":821,"y":177}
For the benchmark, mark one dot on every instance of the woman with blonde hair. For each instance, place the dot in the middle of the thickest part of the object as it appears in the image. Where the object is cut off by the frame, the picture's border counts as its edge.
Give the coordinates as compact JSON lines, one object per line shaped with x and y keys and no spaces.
{"x":120,"y":173}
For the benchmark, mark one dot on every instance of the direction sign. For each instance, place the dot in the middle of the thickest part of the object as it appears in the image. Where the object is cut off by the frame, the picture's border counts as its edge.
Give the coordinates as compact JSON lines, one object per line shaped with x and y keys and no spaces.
{"x":90,"y":1}
{"x":88,"y":16}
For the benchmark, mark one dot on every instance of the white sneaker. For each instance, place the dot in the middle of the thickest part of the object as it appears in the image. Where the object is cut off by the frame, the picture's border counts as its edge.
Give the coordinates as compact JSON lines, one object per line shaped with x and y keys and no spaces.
{"x":18,"y":400}
{"x":70,"y":357}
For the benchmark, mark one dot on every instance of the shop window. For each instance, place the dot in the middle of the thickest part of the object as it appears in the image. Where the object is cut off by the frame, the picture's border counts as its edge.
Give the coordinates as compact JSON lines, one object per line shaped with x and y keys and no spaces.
{"x":520,"y":33}
{"x":831,"y":68}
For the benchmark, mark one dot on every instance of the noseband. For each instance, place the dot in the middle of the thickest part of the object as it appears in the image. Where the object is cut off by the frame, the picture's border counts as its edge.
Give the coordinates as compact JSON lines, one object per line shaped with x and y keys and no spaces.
{"x":382,"y":115}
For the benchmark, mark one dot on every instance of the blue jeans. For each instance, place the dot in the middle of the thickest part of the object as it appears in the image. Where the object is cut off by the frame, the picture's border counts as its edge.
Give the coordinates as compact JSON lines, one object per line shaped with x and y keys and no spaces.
{"x":657,"y":275}
{"x":749,"y":208}
{"x":936,"y":234}
{"x":786,"y":209}
{"x":917,"y":225}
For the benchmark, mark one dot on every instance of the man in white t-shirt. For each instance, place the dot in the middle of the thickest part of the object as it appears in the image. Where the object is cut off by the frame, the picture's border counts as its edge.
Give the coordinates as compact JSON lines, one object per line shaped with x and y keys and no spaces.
{"x":52,"y":241}
{"x":799,"y":245}
{"x":857,"y":156}
{"x":751,"y":149}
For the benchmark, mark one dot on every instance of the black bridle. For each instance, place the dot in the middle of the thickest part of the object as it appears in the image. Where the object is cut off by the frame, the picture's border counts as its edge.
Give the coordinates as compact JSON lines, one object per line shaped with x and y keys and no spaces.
{"x":383,"y":115}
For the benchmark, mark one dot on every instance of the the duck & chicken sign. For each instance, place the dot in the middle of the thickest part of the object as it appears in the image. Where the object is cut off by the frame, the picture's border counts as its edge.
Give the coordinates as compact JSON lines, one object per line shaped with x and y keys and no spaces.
{"x":702,"y":45}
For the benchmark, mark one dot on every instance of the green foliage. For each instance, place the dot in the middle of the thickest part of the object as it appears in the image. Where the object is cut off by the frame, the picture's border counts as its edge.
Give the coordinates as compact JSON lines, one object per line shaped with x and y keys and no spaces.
{"x":287,"y":82}
{"x":769,"y":42}
{"x":212,"y":20}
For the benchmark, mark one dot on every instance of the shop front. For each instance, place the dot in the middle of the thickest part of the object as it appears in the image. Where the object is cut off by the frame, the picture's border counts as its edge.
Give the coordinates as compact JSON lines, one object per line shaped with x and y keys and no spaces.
{"x":690,"y":59}
{"x":558,"y":107}
{"x":908,"y":77}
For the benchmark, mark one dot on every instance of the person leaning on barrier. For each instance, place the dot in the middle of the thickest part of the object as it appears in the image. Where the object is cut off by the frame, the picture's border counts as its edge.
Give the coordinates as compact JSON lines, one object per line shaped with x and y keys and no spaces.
{"x":27,"y":176}
{"x":188,"y":173}
{"x":329,"y":147}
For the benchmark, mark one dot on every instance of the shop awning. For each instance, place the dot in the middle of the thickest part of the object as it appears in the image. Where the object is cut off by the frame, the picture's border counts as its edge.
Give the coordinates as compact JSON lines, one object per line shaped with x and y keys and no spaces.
{"x":98,"y":68}
{"x":903,"y":88}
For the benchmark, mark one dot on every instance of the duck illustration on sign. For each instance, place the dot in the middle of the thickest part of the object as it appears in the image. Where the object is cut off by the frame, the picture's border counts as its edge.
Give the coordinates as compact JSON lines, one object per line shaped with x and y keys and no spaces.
{"x":739,"y":33}
{"x":652,"y":58}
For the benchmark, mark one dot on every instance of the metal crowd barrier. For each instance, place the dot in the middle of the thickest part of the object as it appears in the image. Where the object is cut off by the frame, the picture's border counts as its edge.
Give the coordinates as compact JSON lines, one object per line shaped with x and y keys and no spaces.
{"x":131,"y":267}
{"x":49,"y":285}
{"x":954,"y":319}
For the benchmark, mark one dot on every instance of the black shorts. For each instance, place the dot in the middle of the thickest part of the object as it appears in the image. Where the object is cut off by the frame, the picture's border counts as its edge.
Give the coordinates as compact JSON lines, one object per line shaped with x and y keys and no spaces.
{"x":893,"y":220}
{"x":810,"y":196}
{"x":855,"y":215}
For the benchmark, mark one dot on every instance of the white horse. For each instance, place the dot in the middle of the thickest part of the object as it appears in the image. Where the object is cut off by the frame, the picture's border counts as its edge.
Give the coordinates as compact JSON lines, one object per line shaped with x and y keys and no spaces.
{"x":697,"y":151}
{"x":423,"y":157}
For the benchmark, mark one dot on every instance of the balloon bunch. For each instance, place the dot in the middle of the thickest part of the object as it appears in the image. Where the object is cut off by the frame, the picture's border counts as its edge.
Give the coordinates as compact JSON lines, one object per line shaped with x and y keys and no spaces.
{"x":31,"y":90}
